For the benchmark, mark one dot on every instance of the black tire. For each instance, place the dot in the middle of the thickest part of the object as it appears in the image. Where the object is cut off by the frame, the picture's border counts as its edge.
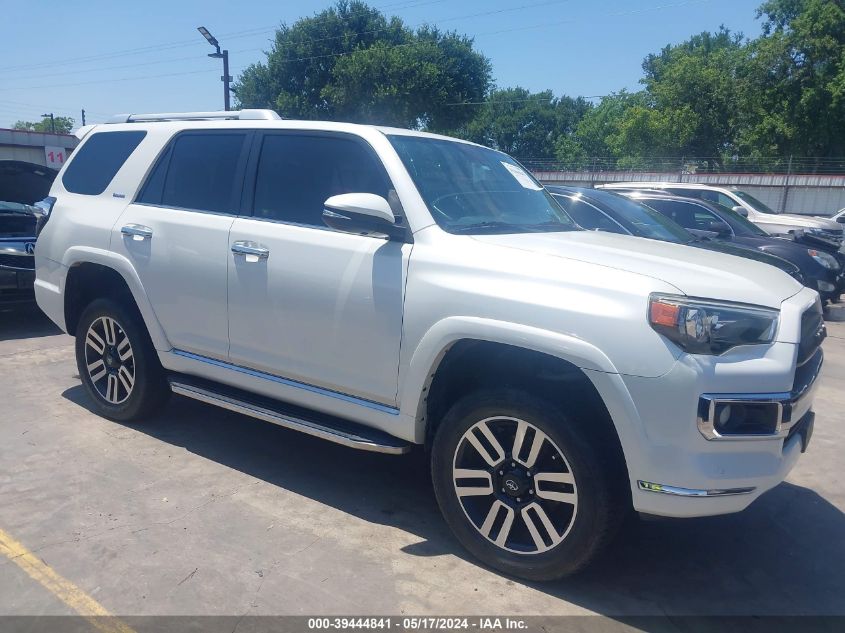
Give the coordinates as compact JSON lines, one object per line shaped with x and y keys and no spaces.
{"x":601,"y":501}
{"x":150,"y":389}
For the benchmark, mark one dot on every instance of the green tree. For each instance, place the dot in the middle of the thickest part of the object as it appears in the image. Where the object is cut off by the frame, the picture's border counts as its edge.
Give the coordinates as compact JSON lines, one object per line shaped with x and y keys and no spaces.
{"x":352,"y":63}
{"x":687,"y":108}
{"x":524,"y":124}
{"x":692,"y":88}
{"x":793,"y":81}
{"x":64,"y":125}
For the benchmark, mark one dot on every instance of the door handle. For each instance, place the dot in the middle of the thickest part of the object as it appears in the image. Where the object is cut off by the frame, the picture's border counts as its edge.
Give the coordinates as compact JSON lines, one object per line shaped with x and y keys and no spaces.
{"x":137,"y":232}
{"x":250,"y":249}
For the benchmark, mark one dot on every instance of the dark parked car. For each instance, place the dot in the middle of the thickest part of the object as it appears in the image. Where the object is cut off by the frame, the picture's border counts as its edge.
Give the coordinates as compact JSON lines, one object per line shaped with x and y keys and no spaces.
{"x":822,"y":269}
{"x":598,"y":210}
{"x":17,"y":248}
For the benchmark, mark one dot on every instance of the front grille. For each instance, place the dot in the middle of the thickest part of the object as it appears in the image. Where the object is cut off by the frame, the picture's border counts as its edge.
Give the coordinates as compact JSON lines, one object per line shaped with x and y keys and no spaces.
{"x":813,"y":332}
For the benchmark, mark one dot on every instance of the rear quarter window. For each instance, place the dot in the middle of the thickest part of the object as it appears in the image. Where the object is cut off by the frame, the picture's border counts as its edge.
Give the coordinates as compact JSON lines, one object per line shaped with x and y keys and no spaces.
{"x":95,"y":164}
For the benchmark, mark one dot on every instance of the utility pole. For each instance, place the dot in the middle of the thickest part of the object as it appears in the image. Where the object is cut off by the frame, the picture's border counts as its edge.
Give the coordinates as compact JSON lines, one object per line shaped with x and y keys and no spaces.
{"x":218,"y":54}
{"x":52,"y":122}
{"x":83,"y":116}
{"x":786,"y":185}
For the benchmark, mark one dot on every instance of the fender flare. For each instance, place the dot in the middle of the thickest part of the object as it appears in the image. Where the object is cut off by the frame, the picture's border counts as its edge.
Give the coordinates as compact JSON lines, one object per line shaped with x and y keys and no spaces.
{"x":122,"y":266}
{"x":437,"y":341}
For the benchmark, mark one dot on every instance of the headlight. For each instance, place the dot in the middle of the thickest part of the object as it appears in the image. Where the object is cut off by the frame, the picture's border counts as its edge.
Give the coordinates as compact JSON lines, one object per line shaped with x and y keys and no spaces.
{"x":710,"y":327}
{"x":825,"y":259}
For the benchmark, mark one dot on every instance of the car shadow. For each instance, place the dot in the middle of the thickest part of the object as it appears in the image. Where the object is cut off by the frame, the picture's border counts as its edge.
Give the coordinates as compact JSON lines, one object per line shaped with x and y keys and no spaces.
{"x":25,"y":321}
{"x":785,"y":555}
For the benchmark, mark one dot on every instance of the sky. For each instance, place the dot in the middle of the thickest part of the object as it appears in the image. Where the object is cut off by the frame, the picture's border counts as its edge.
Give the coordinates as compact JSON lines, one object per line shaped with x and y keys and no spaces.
{"x":113,"y":57}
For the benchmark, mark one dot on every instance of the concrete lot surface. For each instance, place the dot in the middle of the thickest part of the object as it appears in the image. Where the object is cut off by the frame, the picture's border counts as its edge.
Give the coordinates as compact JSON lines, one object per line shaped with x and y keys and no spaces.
{"x":202,"y":511}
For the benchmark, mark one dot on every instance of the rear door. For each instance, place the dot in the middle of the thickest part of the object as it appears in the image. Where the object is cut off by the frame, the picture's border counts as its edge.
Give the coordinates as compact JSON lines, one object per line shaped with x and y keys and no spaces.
{"x":319,"y":307}
{"x":176,"y":234}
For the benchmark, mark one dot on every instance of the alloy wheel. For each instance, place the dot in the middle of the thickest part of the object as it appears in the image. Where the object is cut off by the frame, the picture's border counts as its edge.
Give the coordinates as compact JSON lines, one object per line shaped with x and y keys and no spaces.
{"x":109,"y":360}
{"x":515,"y":485}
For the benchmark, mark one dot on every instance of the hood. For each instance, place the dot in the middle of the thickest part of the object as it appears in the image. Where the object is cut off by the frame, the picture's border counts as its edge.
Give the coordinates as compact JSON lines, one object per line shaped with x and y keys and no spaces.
{"x":806,"y":221}
{"x":693,"y":271}
{"x":748,"y":251}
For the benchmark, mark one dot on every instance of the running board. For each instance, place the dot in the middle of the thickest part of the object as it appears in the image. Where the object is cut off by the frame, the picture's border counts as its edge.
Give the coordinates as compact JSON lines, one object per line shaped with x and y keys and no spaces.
{"x":324,"y":426}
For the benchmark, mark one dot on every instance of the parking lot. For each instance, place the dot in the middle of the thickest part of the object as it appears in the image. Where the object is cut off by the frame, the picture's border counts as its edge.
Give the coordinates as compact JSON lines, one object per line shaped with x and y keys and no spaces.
{"x":202,"y":511}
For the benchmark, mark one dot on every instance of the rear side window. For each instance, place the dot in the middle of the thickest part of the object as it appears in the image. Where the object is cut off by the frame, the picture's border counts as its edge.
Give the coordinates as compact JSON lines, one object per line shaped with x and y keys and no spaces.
{"x":297,"y":173}
{"x":95,"y":164}
{"x":688,"y":215}
{"x":198,"y":171}
{"x":587,"y":216}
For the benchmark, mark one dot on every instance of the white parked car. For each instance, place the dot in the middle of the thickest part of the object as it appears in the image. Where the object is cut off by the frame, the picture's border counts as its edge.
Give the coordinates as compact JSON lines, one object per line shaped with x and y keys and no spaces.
{"x":384,"y":288}
{"x":756,"y":211}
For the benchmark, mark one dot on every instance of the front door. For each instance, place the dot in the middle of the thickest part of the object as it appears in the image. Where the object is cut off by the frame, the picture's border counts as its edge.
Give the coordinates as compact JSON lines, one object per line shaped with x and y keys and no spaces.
{"x":308,"y":303}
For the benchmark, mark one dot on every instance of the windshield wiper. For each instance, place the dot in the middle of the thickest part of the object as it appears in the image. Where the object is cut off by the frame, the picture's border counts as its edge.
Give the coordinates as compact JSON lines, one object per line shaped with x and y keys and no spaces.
{"x":490,"y":225}
{"x":496,"y":225}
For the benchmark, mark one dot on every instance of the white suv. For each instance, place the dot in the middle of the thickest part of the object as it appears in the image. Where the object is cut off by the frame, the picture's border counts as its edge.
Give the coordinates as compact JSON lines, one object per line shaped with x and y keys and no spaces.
{"x":744,"y":203}
{"x":384,"y":288}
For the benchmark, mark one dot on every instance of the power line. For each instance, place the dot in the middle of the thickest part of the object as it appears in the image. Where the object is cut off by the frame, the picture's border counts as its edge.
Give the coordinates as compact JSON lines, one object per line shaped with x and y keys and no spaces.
{"x":307,"y":40}
{"x":184,"y":43}
{"x":344,"y":53}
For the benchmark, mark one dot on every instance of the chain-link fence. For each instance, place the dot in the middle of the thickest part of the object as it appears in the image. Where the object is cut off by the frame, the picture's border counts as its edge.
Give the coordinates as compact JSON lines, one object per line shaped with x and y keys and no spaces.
{"x":698,"y":165}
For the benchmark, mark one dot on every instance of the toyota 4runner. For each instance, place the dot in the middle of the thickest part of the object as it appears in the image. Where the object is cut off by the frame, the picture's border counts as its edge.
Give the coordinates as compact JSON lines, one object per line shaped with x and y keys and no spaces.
{"x":383,"y":288}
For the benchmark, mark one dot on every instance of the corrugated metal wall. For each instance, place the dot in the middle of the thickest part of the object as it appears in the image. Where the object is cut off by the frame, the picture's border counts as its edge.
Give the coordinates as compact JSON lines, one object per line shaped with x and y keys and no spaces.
{"x":816,"y":195}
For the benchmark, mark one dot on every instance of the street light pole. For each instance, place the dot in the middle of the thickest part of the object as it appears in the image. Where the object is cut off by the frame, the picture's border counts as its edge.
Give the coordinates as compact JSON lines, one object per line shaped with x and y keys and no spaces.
{"x":52,"y":122}
{"x":218,"y":54}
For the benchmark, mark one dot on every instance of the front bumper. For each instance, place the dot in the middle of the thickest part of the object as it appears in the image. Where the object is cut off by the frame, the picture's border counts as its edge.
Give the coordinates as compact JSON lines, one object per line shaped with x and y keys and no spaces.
{"x":683,"y":467}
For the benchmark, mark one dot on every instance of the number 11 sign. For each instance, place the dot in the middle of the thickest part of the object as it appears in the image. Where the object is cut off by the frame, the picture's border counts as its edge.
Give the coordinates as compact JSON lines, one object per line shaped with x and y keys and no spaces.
{"x":55,"y":156}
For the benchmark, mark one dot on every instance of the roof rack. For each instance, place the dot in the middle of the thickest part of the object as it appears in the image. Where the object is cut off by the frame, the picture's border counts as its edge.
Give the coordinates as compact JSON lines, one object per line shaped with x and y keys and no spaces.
{"x":242,"y":115}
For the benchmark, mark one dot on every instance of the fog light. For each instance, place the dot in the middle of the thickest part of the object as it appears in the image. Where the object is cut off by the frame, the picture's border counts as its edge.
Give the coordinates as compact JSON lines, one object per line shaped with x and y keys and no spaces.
{"x":731,"y":418}
{"x":825,"y":286}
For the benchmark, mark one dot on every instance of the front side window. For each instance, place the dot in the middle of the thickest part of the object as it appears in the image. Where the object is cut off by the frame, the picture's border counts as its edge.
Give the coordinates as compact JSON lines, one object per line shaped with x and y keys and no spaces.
{"x":199,"y":171}
{"x":297,"y":173}
{"x":97,"y":162}
{"x":472,"y":189}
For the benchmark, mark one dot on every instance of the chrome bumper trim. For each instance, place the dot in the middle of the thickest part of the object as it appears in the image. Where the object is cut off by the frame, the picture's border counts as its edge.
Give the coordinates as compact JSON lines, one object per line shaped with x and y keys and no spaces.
{"x":691,"y":492}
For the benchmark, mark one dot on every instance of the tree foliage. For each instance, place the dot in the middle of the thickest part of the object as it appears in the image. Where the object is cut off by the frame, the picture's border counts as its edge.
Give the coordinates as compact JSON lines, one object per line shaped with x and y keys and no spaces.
{"x":793,"y":80}
{"x":63,"y":124}
{"x":352,"y":63}
{"x":712,"y":97}
{"x":523,"y":124}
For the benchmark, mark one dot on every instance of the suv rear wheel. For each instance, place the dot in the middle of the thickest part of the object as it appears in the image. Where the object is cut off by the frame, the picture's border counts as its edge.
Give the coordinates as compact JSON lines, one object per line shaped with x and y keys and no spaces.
{"x":521,"y":485}
{"x":117,"y":362}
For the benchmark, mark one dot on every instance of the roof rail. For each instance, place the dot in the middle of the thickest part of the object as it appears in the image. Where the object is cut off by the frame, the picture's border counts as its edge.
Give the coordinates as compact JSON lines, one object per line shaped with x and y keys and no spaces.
{"x":242,"y":115}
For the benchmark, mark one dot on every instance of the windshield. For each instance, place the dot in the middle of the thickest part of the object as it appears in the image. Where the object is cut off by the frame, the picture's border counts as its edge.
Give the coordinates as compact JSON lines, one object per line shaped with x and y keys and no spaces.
{"x":754,"y":202}
{"x":472,"y":189}
{"x":637,"y":219}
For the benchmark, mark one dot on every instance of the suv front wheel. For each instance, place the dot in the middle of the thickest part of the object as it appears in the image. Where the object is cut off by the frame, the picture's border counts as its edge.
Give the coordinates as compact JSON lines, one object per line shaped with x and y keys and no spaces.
{"x":117,"y":362}
{"x":522,"y":485}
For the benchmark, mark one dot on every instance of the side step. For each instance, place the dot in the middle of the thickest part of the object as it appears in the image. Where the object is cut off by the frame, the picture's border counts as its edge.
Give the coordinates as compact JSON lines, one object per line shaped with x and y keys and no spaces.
{"x":324,"y":426}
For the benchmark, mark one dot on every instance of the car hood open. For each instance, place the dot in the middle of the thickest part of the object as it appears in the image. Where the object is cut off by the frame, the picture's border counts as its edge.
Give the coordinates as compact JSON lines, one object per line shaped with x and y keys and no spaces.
{"x":693,"y":271}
